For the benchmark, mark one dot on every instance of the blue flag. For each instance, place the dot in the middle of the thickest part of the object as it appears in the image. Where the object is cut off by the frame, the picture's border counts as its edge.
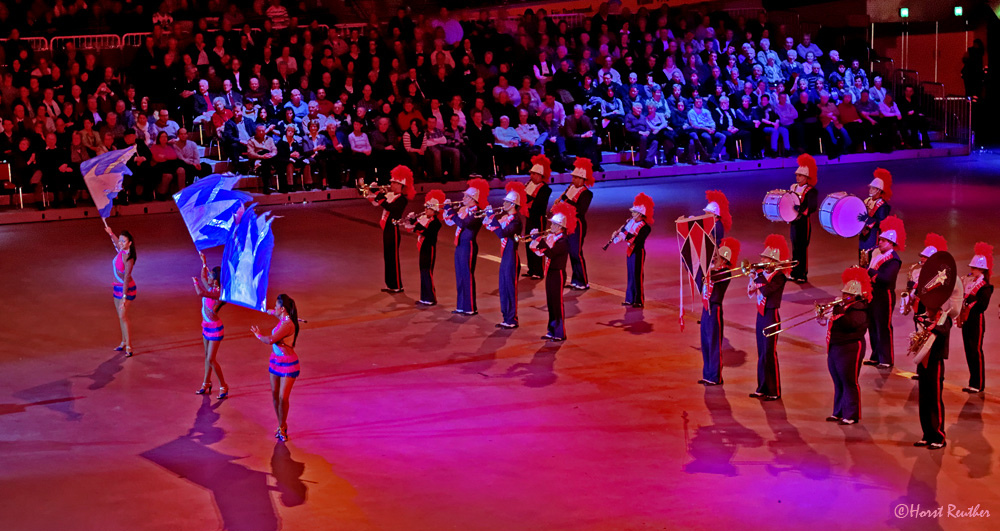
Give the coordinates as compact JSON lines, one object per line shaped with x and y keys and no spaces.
{"x":104,"y":174}
{"x":246,"y":261}
{"x":210,"y":208}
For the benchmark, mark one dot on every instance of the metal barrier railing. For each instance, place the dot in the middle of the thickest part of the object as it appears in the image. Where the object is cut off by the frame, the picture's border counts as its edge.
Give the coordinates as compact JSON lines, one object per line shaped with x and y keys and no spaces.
{"x":572,"y":20}
{"x":748,"y":13}
{"x":957,"y":115}
{"x":927,"y":96}
{"x":38,"y":44}
{"x":900,"y":78}
{"x":88,"y":42}
{"x":882,"y":68}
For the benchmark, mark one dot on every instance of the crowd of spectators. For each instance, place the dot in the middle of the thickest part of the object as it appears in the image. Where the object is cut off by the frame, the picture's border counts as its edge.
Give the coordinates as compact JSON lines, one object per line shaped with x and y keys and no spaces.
{"x":303,"y":106}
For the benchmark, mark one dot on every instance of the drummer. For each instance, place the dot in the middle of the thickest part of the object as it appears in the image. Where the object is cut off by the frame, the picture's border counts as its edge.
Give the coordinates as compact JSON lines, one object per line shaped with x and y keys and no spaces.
{"x":877,"y":209}
{"x":801,"y":227}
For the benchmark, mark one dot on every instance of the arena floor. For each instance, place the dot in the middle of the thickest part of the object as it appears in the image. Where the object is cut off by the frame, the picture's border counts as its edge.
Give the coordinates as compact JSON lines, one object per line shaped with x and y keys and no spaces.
{"x":413,"y":418}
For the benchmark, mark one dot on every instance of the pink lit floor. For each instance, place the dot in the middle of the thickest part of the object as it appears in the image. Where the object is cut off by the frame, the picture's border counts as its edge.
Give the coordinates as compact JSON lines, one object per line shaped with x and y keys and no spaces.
{"x":409,"y":418}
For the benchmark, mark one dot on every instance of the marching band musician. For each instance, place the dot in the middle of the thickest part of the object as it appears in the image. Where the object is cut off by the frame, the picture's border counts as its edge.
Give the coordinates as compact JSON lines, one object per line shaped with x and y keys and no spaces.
{"x":767,"y":284}
{"x":977,"y":291}
{"x":467,"y":226}
{"x":930,"y":371}
{"x":801,"y":227}
{"x":426,"y":226}
{"x":712,"y":293}
{"x":845,"y":339}
{"x":538,"y":192}
{"x":634,"y":234}
{"x":393,"y":204}
{"x":877,"y":209}
{"x":554,"y":246}
{"x":909,"y":300}
{"x":578,"y":195}
{"x":883,"y":269}
{"x":718,"y":205}
{"x":508,"y":227}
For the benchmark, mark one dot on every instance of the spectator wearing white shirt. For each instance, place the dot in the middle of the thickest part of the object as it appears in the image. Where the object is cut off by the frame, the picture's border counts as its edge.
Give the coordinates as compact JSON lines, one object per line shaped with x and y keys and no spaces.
{"x":808,"y":46}
{"x":504,"y":86}
{"x":361,"y":152}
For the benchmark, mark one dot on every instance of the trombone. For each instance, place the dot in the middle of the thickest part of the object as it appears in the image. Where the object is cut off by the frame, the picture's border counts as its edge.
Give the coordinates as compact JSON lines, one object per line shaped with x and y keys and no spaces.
{"x":819,"y":311}
{"x":746,"y":268}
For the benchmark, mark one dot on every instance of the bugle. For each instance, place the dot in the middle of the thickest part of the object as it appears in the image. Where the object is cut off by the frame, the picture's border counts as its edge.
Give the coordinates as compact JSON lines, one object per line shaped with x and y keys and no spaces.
{"x":819,"y":311}
{"x":746,"y":268}
{"x":488,"y":211}
{"x":533,"y":237}
{"x":408,"y":219}
{"x":365,"y":189}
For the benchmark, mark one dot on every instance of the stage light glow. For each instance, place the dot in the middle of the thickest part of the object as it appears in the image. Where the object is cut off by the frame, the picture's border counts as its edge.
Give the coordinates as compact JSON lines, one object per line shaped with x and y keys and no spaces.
{"x":904,"y":12}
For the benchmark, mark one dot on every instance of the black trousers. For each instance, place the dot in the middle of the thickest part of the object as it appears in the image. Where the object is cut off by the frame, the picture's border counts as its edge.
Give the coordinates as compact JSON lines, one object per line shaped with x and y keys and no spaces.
{"x":800,"y":234}
{"x":880,"y":325}
{"x":930,"y":384}
{"x":844,"y":361}
{"x":768,"y":379}
{"x":972,"y":339}
{"x":390,"y":248}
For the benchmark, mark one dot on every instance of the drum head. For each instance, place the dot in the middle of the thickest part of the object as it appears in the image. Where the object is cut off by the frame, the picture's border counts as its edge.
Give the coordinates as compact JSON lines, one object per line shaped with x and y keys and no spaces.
{"x":786,"y":207}
{"x":845,"y":216}
{"x":939,"y":274}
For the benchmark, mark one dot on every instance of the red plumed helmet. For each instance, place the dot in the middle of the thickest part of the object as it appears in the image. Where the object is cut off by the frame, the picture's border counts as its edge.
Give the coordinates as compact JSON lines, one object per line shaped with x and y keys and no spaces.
{"x":435,"y":198}
{"x":776,"y":242}
{"x":517,"y":188}
{"x":807,"y":167}
{"x":886,"y":178}
{"x":719,"y":198}
{"x":934,"y":243}
{"x":857,"y":282}
{"x":404,"y":176}
{"x":564,"y":214}
{"x":584,"y":168}
{"x":483,"y":187}
{"x":734,"y":249}
{"x":643,"y":204}
{"x":544,"y":166}
{"x":892,"y":230}
{"x":985,"y":250}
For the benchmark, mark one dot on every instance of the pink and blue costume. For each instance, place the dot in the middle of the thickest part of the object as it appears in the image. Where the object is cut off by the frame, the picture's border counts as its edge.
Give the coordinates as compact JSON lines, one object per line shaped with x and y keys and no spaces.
{"x":284,"y":362}
{"x":211,"y":325}
{"x":118,"y":267}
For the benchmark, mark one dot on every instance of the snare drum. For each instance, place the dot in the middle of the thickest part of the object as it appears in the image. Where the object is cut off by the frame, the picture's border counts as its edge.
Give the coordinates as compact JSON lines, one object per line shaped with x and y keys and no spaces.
{"x":779,"y":205}
{"x":839,"y":212}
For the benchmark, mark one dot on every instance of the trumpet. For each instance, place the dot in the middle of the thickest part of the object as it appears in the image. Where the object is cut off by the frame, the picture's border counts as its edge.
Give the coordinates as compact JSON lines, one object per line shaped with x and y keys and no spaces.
{"x":746,"y":268}
{"x":408,"y":219}
{"x":533,"y":237}
{"x":365,"y":189}
{"x":488,"y":211}
{"x":819,"y":311}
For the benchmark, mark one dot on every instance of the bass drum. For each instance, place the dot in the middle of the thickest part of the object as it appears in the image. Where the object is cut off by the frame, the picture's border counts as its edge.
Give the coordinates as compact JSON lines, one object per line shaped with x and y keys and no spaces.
{"x":839,"y":213}
{"x":779,"y":205}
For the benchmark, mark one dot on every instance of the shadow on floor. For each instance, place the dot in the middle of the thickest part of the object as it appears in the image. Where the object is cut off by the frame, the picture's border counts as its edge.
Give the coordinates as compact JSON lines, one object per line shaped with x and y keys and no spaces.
{"x":713,"y":447}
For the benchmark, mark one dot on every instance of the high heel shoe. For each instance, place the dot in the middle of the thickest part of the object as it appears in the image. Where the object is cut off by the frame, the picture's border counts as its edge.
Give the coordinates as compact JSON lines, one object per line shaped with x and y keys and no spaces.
{"x":223,"y":393}
{"x":128,"y":351}
{"x":206,"y":389}
{"x":282,"y":434}
{"x":120,"y":348}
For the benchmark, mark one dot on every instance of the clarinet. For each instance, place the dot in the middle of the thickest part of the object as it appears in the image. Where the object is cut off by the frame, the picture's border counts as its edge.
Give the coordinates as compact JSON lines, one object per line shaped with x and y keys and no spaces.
{"x":612,"y":240}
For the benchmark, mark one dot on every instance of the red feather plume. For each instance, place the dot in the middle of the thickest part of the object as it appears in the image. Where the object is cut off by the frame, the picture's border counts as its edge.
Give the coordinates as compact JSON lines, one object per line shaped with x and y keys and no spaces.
{"x":777,"y":241}
{"x":734,"y":246}
{"x":522,"y":195}
{"x":484,"y":191}
{"x":985,"y":249}
{"x":587,"y":165}
{"x":808,"y":161}
{"x":861,"y":275}
{"x":644,"y":200}
{"x":569,"y":211}
{"x":404,"y":174}
{"x":545,"y":163}
{"x":936,"y":241}
{"x":896,"y":224}
{"x":723,"y":201}
{"x":886,"y":177}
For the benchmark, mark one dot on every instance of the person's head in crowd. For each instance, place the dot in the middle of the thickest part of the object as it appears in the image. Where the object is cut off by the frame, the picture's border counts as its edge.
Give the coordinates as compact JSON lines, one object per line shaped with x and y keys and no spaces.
{"x":522,"y":117}
{"x":847,"y":98}
{"x":141,"y":120}
{"x":453,"y":122}
{"x":263,"y":114}
{"x":203,"y":86}
{"x":578,"y":111}
{"x":765,"y":101}
{"x":699,"y":103}
{"x":503,"y":98}
{"x":859,"y":82}
{"x":237,"y":113}
{"x":338,"y":108}
{"x":637,"y":109}
{"x":88,"y":123}
{"x":50,"y":141}
{"x":765,"y":44}
{"x":92,"y":104}
{"x":806,"y":39}
{"x":382,"y":124}
{"x":479,"y":84}
{"x":456,"y":102}
{"x":69,"y":109}
{"x":258,"y":134}
{"x":289,"y":133}
{"x":803,"y":84}
{"x":504,"y":122}
{"x":111,"y":119}
{"x":366,"y":92}
{"x":792,"y":56}
{"x":164,"y":117}
{"x":162,"y":139}
{"x":296,"y":97}
{"x":681,"y":106}
{"x":227,"y":86}
{"x":435,"y":104}
{"x":824,"y":97}
{"x":76,"y":139}
{"x":219,"y":104}
{"x":432,"y":123}
{"x":24,"y":144}
{"x":120,"y":107}
{"x":275,"y":84}
{"x":254,"y":84}
{"x":276,"y":97}
{"x":289,"y":115}
{"x":747,"y":87}
{"x":804,"y":97}
{"x":782,"y":98}
{"x":810,"y":57}
{"x":633,"y":92}
{"x":887,"y":100}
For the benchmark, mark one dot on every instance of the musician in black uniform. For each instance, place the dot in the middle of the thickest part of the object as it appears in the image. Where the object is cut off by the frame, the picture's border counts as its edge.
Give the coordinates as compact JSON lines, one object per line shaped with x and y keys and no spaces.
{"x":634,"y":233}
{"x":931,"y":372}
{"x":977,"y":292}
{"x":801,"y":227}
{"x":538,"y":191}
{"x":909,"y":300}
{"x":393,"y":204}
{"x":767,"y":285}
{"x":883,"y":269}
{"x":555,"y":248}
{"x":845,"y":344}
{"x":579,"y":196}
{"x":876,"y":209}
{"x":427,"y":226}
{"x":712,"y":293}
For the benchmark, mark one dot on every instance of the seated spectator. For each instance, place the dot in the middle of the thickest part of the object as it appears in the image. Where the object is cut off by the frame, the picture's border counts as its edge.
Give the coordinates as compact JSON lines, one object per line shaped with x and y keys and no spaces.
{"x":703,"y":125}
{"x":856,"y":72}
{"x":261,"y":151}
{"x":112,"y":126}
{"x":140,"y":183}
{"x":409,"y":113}
{"x":457,"y":140}
{"x":202,"y":103}
{"x":660,"y":130}
{"x":807,"y":46}
{"x":441,"y":154}
{"x":91,"y":138}
{"x":851,"y":120}
{"x":687,"y":137}
{"x":580,"y":139}
{"x":876,"y":92}
{"x":725,"y":121}
{"x":416,"y":150}
{"x":639,"y":134}
{"x":554,"y":145}
{"x":829,"y":117}
{"x":914,"y":123}
{"x":298,"y":107}
{"x":384,"y":142}
{"x":361,"y":153}
{"x":868,"y":110}
{"x":890,"y":120}
{"x":236,"y":134}
{"x":190,"y":166}
{"x":291,"y":157}
{"x":612,"y":119}
{"x":771,"y":124}
{"x":788,"y":117}
{"x":26,"y":172}
{"x":531,"y":138}
{"x":164,"y":124}
{"x":809,"y":117}
{"x":332,"y":157}
{"x":509,"y":153}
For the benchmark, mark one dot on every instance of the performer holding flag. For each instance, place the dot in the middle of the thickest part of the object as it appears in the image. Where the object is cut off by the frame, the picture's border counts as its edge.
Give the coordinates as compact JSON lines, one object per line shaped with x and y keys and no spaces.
{"x":393,"y":203}
{"x":508,"y":227}
{"x":208,"y":287}
{"x":103,"y":176}
{"x":538,"y":192}
{"x":467,"y":224}
{"x":634,"y":233}
{"x":426,"y":226}
{"x":712,"y":292}
{"x":977,"y":293}
{"x":123,"y":288}
{"x":284,"y":363}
